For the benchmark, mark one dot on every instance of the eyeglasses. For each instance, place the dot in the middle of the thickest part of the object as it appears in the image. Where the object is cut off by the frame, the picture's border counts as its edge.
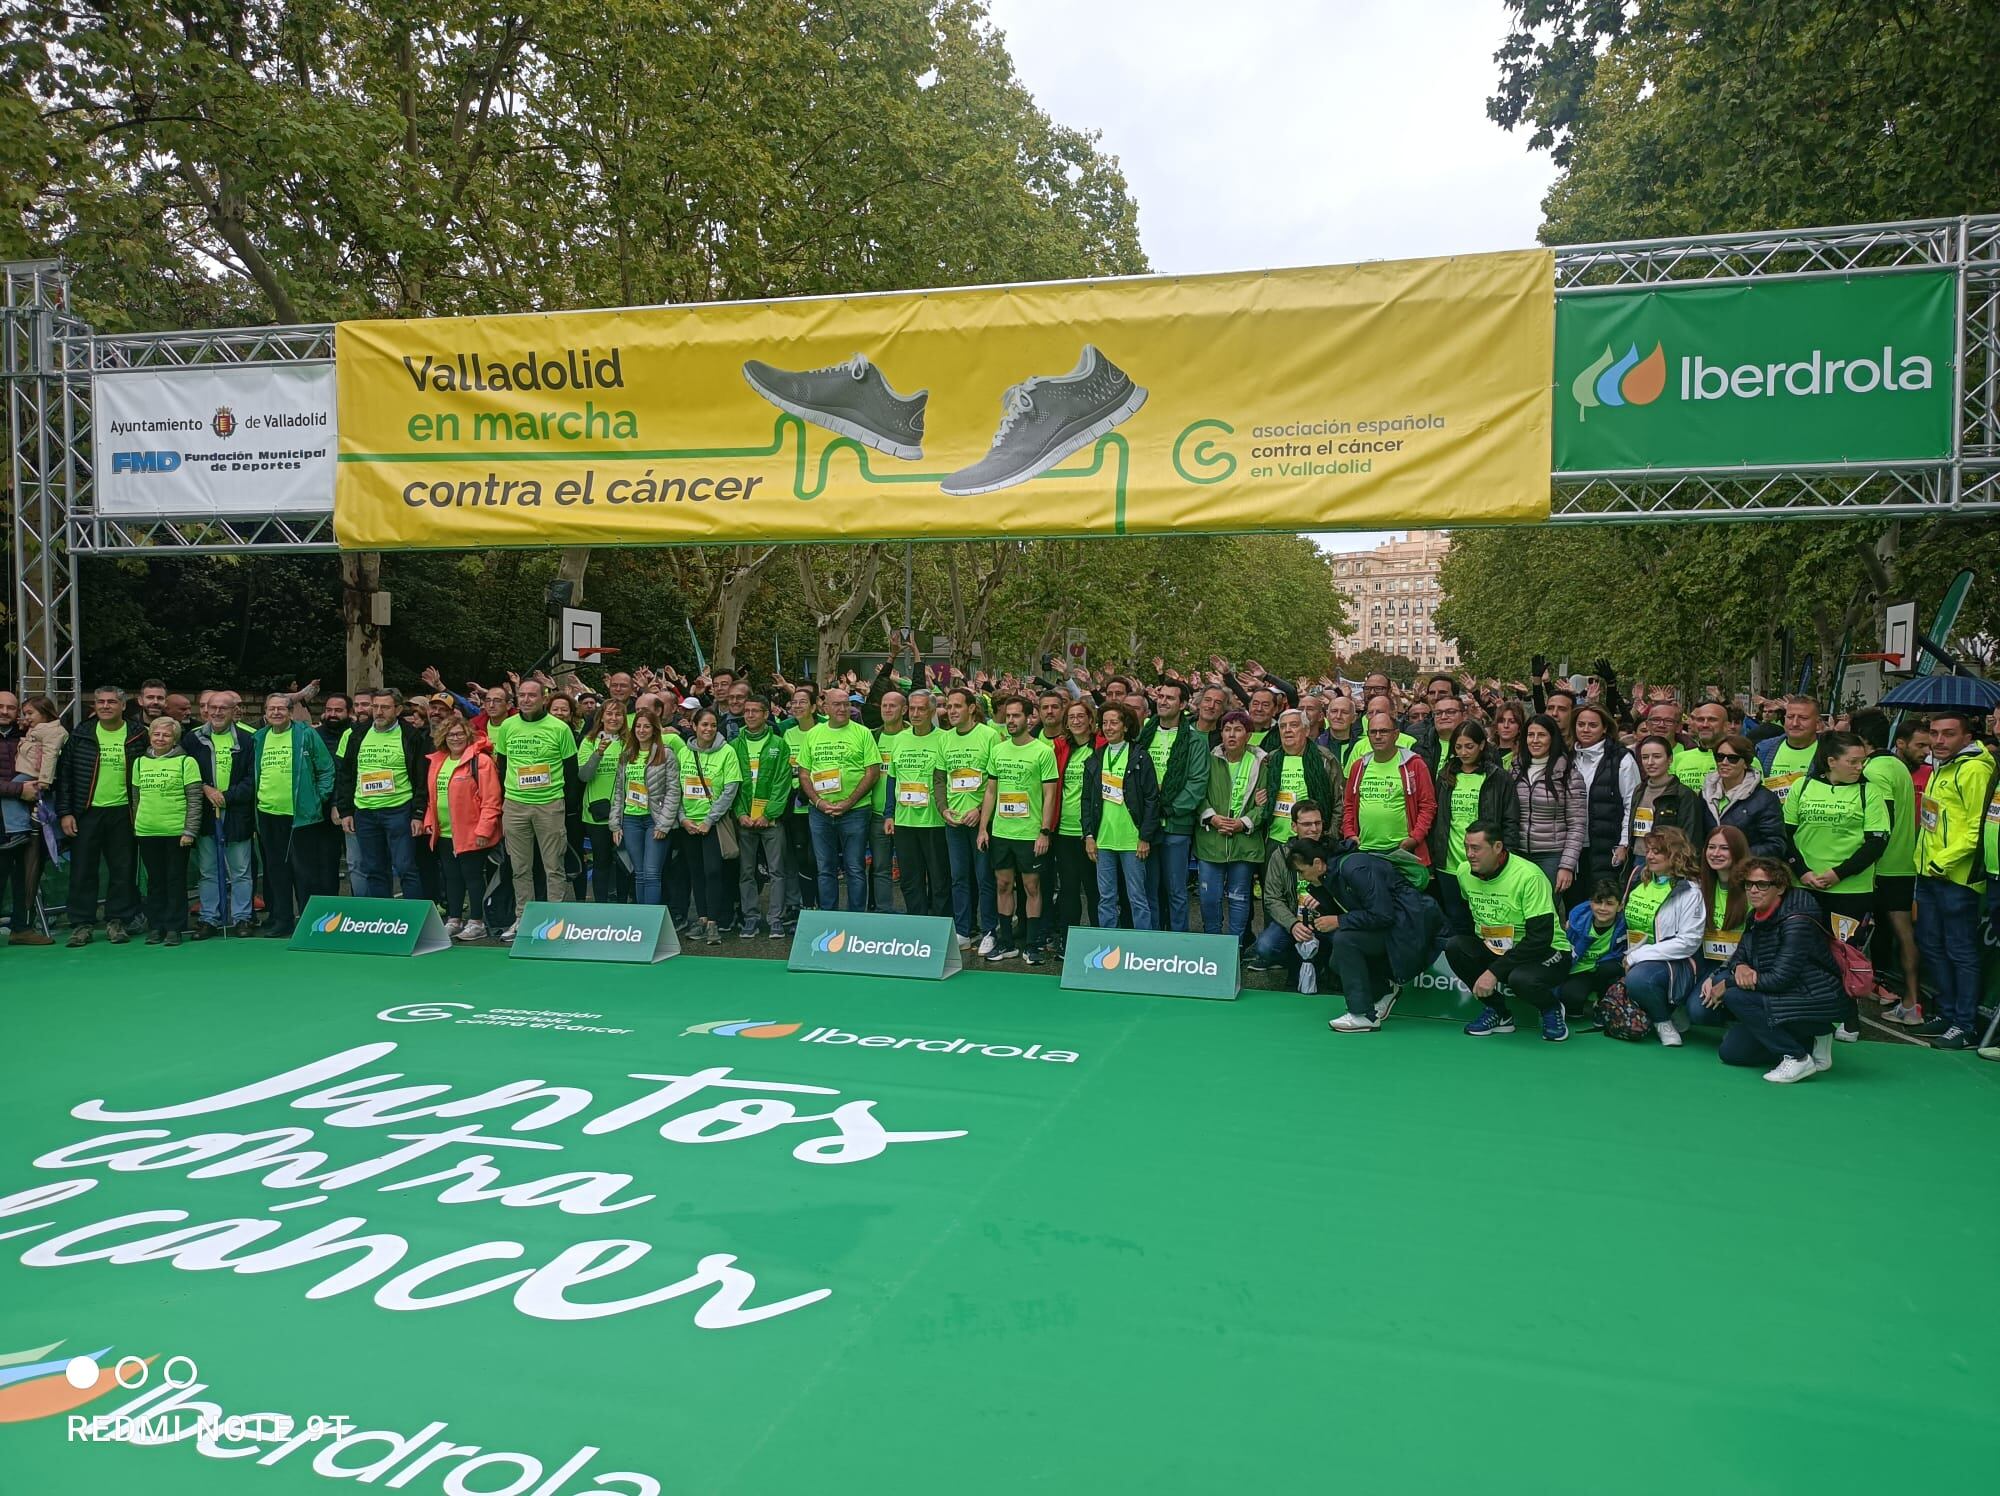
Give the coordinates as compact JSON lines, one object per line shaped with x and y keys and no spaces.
{"x":1729,"y":758}
{"x":1760,"y":883}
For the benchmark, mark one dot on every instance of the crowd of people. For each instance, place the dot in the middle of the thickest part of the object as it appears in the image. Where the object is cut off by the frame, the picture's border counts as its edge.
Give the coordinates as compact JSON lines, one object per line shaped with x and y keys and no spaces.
{"x":1642,"y":864}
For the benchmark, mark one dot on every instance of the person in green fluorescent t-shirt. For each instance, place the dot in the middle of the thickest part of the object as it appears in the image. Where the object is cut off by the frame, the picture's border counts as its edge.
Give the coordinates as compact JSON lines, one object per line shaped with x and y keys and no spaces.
{"x":166,"y":817}
{"x":379,"y":789}
{"x":839,"y":763}
{"x":803,"y":706}
{"x":959,"y":787}
{"x":1121,"y":817}
{"x":915,"y":816}
{"x":1516,"y":938}
{"x":94,"y":814}
{"x":1016,"y":822}
{"x":597,"y":767}
{"x":1788,"y":759}
{"x":1073,"y":900}
{"x":1838,"y":831}
{"x":895,"y":709}
{"x":294,"y":786}
{"x":1888,"y":777}
{"x":536,"y":752}
{"x":765,"y":759}
{"x":228,"y":760}
{"x":711,"y":783}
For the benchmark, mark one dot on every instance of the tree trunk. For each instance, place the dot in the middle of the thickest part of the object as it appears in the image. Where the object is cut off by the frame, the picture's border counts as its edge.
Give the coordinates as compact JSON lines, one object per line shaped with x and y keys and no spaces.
{"x":361,"y":580}
{"x":833,"y":622}
{"x":571,"y":564}
{"x":739,"y":582}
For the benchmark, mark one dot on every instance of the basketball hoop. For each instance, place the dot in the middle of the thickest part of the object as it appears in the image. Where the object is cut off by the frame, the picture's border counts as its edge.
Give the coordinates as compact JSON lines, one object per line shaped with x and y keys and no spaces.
{"x":592,"y":651}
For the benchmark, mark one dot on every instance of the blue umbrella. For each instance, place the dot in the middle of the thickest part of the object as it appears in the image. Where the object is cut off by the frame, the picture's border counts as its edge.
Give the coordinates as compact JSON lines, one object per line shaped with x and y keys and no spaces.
{"x":1930,"y":693}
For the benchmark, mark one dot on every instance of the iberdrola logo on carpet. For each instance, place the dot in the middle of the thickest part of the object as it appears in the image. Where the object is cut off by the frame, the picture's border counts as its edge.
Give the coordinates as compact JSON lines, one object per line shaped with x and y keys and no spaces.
{"x":595,"y":932}
{"x":1152,"y":961}
{"x":370,"y":927}
{"x":889,"y":945}
{"x":744,"y":1028}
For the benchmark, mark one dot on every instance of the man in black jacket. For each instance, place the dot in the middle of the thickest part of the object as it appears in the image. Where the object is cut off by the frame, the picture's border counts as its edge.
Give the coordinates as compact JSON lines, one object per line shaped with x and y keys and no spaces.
{"x":1371,"y":925}
{"x":227,"y":757}
{"x":93,"y":796}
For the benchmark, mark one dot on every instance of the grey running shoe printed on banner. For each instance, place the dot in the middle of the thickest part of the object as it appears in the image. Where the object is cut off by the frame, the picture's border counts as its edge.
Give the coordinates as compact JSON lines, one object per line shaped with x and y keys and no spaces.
{"x":1046,"y":419}
{"x":852,"y":399}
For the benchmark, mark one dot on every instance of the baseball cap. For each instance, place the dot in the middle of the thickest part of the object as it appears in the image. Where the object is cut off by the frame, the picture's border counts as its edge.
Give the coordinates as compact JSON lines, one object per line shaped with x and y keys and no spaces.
{"x":690,"y":703}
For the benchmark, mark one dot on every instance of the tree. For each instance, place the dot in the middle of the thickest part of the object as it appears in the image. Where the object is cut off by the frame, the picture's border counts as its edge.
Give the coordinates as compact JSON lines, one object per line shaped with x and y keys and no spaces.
{"x":1401,"y":669}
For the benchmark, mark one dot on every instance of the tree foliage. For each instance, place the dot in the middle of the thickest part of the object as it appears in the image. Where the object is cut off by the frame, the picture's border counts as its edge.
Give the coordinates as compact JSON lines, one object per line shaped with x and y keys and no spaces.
{"x":1698,"y":116}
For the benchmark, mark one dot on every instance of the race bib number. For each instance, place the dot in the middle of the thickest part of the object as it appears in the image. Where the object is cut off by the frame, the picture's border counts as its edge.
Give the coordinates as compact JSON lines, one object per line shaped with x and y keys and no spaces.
{"x":964,"y":781}
{"x":826,"y":782}
{"x":1642,"y":821}
{"x":532,"y":777}
{"x":1930,"y":815}
{"x":757,"y":809}
{"x":1634,"y":939}
{"x":917,"y":796}
{"x":1780,"y":784}
{"x":1286,"y":800}
{"x":378,"y":782}
{"x":1844,"y":926}
{"x":1013,"y":805}
{"x":1113,"y":786}
{"x":635,"y":800}
{"x":1498,"y":939}
{"x":1721,"y":945}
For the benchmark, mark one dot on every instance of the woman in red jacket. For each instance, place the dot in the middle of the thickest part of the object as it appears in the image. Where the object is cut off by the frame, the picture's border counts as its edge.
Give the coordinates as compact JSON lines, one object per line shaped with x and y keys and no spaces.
{"x":463,"y":819}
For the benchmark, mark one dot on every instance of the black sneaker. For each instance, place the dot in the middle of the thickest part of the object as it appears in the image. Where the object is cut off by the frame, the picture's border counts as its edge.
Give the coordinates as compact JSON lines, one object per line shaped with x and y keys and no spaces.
{"x":1954,"y":1038}
{"x":1045,"y":419}
{"x":1932,"y":1029}
{"x":173,"y":938}
{"x":243,"y":929}
{"x":203,"y":932}
{"x":1003,"y":953}
{"x":155,"y":937}
{"x":852,"y":399}
{"x":1031,"y":956}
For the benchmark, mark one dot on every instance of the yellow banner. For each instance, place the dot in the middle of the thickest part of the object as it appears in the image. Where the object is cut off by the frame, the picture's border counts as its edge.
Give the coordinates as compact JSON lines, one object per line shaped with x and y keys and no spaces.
{"x":1394,"y":394}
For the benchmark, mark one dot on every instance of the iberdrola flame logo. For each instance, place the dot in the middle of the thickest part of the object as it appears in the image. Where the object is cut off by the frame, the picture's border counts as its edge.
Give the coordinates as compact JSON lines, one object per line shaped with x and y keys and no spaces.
{"x":743,"y":1028}
{"x":1106,"y":958}
{"x":35,"y":1384}
{"x":831,"y":942}
{"x":549,"y":930}
{"x":1626,"y":381}
{"x":328,"y":925}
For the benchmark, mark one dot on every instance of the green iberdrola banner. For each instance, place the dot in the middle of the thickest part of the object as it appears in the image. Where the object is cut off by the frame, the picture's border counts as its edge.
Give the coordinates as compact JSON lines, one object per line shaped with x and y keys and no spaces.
{"x":1158,"y":962}
{"x":1774,"y":373}
{"x":370,"y":927}
{"x":639,"y":933}
{"x":883,"y":945}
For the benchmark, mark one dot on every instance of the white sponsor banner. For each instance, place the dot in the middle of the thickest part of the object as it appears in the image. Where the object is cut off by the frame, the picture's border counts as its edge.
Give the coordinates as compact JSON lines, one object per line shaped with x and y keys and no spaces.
{"x":232,"y":440}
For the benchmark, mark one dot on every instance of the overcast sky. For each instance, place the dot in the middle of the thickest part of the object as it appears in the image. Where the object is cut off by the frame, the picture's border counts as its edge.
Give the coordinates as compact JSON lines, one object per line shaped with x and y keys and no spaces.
{"x":1291,"y":132}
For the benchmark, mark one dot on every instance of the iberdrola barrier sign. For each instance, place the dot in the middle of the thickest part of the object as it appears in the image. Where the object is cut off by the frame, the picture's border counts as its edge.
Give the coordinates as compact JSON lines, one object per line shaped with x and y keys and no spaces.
{"x":353,"y":926}
{"x":882,"y":945}
{"x":1159,"y":962}
{"x":637,"y":933}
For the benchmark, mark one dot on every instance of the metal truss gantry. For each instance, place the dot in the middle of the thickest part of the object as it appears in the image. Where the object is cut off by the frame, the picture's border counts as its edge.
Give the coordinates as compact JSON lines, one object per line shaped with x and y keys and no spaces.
{"x":48,"y":358}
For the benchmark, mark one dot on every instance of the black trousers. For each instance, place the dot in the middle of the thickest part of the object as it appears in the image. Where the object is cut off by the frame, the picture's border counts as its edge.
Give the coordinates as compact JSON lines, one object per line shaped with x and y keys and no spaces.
{"x":609,"y":882}
{"x":925,"y":862}
{"x":284,"y":879}
{"x":1531,"y":981}
{"x":166,"y":862}
{"x":103,"y":845}
{"x":804,"y":892}
{"x":1075,"y":887}
{"x":1580,"y":989}
{"x":14,"y":881}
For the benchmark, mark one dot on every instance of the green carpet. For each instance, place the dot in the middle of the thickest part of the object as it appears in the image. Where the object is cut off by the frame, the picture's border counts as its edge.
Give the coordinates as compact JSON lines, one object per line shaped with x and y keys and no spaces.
{"x":1219,"y":1250}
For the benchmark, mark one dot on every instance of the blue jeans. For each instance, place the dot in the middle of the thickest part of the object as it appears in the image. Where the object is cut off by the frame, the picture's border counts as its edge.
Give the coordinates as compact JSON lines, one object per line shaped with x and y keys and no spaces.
{"x":1169,"y":870}
{"x":1111,"y":866}
{"x":971,"y":877}
{"x":1948,"y":935}
{"x":384,"y":835}
{"x":648,"y":858}
{"x":1228,"y":881}
{"x":840,"y":843}
{"x":236,"y":860}
{"x":1661,"y":986}
{"x":1271,"y":944}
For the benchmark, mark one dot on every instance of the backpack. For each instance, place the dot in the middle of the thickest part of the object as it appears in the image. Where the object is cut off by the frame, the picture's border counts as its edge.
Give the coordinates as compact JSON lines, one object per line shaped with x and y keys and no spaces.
{"x":1623,"y":1018}
{"x":1857,"y":972}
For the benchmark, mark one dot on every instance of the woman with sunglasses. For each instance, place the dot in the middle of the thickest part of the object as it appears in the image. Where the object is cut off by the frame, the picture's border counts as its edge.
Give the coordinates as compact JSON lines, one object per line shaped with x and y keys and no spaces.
{"x":1734,"y":795}
{"x":1665,"y":920}
{"x":1783,"y":988}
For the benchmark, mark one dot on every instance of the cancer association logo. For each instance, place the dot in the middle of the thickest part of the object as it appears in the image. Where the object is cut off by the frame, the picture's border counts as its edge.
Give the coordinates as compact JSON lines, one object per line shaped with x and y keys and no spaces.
{"x":224,"y":423}
{"x":1104,"y":958}
{"x":831,"y":942}
{"x":32,"y":1385}
{"x":1614,"y":381}
{"x":744,"y":1028}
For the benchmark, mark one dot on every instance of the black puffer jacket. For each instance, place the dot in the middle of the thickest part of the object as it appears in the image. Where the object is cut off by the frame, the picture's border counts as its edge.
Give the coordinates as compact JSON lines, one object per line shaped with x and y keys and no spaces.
{"x":76,"y":769}
{"x":1792,"y":954}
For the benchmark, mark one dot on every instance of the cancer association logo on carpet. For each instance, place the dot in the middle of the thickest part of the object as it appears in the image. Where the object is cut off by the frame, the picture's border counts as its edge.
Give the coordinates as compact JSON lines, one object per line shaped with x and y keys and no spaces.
{"x":1157,"y":962}
{"x":883,"y":945}
{"x":370,"y":927}
{"x":595,"y":932}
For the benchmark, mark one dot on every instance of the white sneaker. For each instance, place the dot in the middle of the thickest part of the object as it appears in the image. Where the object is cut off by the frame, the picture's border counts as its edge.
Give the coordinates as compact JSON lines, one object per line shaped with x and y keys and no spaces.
{"x":1847,"y":1033}
{"x":1308,"y":979}
{"x":1669,"y":1035}
{"x":473,"y":929}
{"x":1388,"y":1004}
{"x":1352,"y":1023}
{"x":508,"y":933}
{"x":964,"y":942}
{"x":1822,"y":1050}
{"x":453,"y":926}
{"x":987,"y":945}
{"x":1909,"y":1015}
{"x":1792,"y":1068}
